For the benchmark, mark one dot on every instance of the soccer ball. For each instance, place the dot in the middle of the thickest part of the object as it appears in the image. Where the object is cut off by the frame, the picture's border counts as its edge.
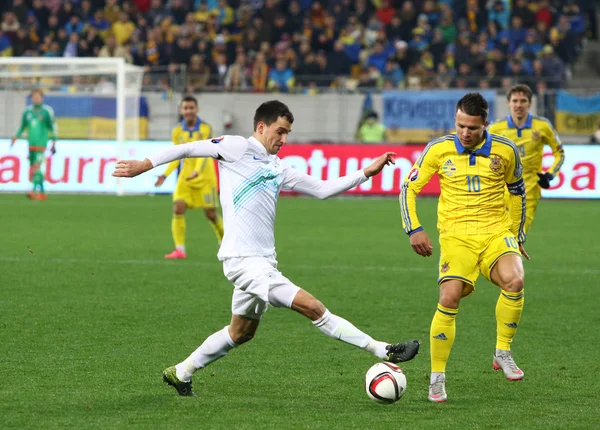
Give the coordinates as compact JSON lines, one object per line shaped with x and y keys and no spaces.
{"x":385,"y":383}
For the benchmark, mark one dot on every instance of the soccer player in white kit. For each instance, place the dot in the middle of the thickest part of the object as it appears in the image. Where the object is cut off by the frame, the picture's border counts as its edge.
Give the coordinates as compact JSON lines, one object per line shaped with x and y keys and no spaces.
{"x":251,"y":177}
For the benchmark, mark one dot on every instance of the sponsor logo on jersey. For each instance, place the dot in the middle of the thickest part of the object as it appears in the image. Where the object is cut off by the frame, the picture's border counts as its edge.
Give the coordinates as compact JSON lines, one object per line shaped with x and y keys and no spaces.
{"x":413,"y":175}
{"x":495,"y":163}
{"x":218,"y":139}
{"x":449,"y":168}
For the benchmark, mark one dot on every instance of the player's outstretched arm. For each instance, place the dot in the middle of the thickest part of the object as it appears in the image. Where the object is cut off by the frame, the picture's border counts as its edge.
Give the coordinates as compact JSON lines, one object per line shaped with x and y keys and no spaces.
{"x":227,"y":148}
{"x":311,"y":186}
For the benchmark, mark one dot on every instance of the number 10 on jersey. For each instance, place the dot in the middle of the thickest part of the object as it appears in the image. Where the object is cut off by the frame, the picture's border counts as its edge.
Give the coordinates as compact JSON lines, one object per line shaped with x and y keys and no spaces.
{"x":473,"y":184}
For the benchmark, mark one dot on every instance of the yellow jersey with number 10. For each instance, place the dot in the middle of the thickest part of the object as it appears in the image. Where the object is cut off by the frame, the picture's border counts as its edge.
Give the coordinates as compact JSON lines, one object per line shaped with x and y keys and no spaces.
{"x":204,"y":166}
{"x":472,"y":184}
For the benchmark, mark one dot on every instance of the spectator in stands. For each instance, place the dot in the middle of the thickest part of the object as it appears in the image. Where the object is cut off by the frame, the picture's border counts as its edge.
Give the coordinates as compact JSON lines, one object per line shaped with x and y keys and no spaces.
{"x":10,"y":24}
{"x":393,"y":74}
{"x":371,"y":131}
{"x":74,"y":25}
{"x":112,"y":50}
{"x":553,"y":67}
{"x":178,"y":11}
{"x":197,"y":75}
{"x":52,"y":27}
{"x":156,"y":13}
{"x":538,"y":74}
{"x":238,"y":76}
{"x":86,"y":12}
{"x":53,"y":50}
{"x":260,"y":72}
{"x":41,"y":14}
{"x":64,"y":13}
{"x":72,"y":48}
{"x":499,"y":12}
{"x":522,"y":10}
{"x":532,"y":47}
{"x":100,"y":23}
{"x":19,"y":8}
{"x":123,"y":28}
{"x":91,"y":43}
{"x":281,"y":78}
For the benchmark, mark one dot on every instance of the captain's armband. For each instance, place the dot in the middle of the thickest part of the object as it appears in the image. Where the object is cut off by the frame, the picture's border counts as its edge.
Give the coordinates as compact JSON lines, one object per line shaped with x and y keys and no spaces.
{"x":517,"y":188}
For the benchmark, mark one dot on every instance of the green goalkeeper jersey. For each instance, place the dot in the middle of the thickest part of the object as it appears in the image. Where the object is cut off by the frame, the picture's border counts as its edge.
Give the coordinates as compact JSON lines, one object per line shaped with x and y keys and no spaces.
{"x":40,"y":124}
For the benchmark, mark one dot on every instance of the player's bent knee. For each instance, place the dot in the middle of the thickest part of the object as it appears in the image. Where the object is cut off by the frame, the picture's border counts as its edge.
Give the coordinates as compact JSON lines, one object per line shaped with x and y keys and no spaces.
{"x":316,"y":309}
{"x":179,"y":208}
{"x":451,"y":293}
{"x":240,"y":338}
{"x":308,"y":305}
{"x":515,"y":285}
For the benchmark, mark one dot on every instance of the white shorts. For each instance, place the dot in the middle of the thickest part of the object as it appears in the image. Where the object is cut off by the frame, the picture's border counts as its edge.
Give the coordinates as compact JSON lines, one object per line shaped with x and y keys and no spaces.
{"x":258,"y":284}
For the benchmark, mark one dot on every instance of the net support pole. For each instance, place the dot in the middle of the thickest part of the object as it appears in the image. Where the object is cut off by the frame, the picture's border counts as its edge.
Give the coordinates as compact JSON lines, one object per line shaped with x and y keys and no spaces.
{"x":121,"y":100}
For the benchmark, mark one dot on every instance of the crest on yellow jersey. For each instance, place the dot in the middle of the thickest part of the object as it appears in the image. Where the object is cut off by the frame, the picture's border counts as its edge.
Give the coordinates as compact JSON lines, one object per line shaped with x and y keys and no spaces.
{"x":536,"y":135}
{"x":495,"y":163}
{"x":449,"y":168}
{"x":445,"y":267}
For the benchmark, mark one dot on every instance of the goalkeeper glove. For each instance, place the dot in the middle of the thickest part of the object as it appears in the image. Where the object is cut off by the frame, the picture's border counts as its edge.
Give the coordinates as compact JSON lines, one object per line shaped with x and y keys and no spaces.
{"x":545,"y":179}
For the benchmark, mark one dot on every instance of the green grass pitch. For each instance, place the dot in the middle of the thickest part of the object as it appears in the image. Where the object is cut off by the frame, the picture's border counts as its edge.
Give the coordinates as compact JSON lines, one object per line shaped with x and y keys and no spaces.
{"x":91,"y":313}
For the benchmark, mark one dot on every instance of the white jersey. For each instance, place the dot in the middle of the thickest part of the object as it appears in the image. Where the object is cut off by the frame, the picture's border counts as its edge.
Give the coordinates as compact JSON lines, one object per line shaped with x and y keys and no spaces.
{"x":250,"y":182}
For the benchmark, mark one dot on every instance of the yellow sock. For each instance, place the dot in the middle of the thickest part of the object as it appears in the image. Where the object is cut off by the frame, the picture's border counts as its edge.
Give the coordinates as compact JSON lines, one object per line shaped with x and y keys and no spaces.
{"x":442,"y":332}
{"x":178,"y":231}
{"x":217,"y":227}
{"x":508,"y":315}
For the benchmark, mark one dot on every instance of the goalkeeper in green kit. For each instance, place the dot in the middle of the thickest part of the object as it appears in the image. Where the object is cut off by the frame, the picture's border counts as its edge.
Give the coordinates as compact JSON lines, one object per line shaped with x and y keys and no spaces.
{"x":38,"y":120}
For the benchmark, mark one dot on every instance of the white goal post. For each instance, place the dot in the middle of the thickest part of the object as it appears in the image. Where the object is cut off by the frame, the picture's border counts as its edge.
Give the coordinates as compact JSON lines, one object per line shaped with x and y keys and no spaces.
{"x":107,"y":78}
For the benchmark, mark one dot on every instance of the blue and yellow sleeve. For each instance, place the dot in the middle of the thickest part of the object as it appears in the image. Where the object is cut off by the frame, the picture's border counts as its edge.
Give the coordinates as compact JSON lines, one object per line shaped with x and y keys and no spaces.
{"x":553,"y":140}
{"x":420,"y":174}
{"x":516,"y":188}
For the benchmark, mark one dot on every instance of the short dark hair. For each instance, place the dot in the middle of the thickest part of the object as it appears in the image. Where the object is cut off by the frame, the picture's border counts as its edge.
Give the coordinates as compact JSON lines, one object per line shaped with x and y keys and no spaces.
{"x":271,"y":111}
{"x":190,"y":99}
{"x":520,"y":88}
{"x":473,"y":104}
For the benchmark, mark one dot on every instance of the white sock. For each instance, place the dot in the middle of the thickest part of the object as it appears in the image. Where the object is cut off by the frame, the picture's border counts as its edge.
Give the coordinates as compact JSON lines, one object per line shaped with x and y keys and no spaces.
{"x":180,"y":248}
{"x":214,"y":347}
{"x":338,"y":328}
{"x":434,"y":376}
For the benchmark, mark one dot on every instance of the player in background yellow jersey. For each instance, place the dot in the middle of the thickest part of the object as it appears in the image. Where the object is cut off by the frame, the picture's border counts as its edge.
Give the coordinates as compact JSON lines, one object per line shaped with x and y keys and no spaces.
{"x":476,"y":232}
{"x":530,"y":133}
{"x":197,"y":182}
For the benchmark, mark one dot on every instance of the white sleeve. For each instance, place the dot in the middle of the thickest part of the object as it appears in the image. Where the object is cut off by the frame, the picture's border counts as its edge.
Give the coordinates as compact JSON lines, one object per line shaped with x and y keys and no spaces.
{"x":226,"y":148}
{"x":301,"y":182}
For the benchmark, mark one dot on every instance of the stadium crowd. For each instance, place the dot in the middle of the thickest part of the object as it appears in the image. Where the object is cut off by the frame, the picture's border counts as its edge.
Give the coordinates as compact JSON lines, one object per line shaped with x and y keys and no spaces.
{"x":285,"y":45}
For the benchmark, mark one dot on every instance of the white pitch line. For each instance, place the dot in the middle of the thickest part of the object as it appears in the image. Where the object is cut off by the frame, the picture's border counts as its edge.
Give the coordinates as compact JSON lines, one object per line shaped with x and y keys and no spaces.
{"x":216,"y":264}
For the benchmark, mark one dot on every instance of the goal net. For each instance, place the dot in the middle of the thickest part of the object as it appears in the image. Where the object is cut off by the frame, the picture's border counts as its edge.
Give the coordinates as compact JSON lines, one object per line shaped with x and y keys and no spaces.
{"x":94,"y":99}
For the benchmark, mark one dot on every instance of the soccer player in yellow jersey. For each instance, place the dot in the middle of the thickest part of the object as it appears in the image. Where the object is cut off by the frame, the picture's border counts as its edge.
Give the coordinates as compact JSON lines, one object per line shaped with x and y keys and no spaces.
{"x":530,"y":133}
{"x":197,"y":182}
{"x":476,"y":232}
